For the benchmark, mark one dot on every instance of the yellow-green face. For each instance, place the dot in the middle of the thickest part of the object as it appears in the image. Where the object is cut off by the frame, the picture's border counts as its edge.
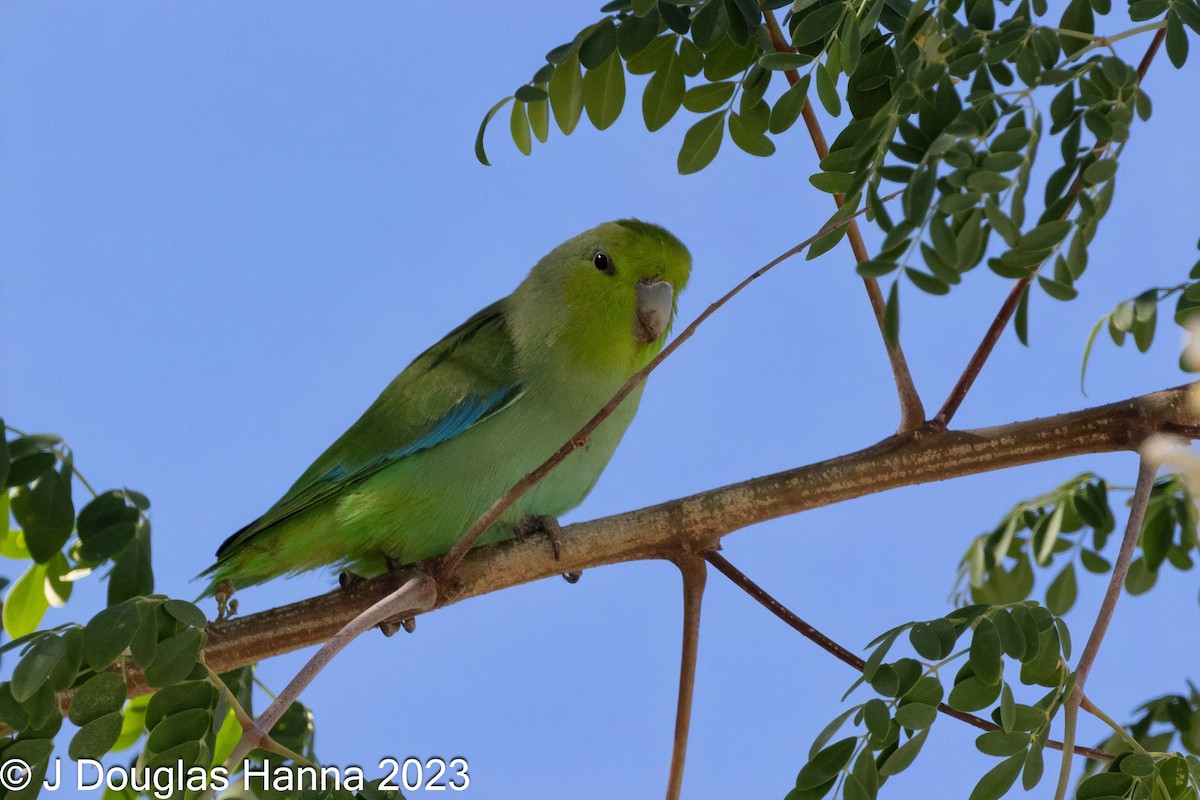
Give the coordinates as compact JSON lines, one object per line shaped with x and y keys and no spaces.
{"x":620,"y":283}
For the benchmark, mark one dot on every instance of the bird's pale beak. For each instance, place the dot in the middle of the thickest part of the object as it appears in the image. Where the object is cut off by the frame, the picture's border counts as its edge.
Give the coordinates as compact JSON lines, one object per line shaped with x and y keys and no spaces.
{"x":654,"y":301}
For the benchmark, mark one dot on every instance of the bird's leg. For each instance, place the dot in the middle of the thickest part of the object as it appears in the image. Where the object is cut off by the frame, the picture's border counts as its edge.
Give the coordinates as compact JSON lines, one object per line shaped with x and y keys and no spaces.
{"x":544,"y":523}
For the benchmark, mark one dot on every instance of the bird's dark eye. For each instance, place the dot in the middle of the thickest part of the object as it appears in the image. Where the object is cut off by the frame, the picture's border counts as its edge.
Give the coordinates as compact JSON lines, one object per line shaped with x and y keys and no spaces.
{"x":602,"y":262}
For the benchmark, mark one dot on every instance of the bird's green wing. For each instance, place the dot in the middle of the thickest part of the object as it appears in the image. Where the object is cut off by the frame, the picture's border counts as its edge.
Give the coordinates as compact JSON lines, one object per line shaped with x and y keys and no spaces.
{"x":462,"y":380}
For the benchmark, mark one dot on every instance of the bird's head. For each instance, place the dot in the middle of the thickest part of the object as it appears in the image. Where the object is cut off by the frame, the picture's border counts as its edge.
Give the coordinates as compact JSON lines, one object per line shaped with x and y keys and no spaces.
{"x":605,"y":297}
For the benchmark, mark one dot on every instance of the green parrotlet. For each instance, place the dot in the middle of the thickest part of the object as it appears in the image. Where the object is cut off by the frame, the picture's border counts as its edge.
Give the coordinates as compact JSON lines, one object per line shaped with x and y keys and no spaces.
{"x":477,"y":411}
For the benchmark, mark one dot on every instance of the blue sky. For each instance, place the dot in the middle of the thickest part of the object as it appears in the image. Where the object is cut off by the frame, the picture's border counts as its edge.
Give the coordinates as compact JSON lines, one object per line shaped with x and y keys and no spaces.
{"x":225,"y":227}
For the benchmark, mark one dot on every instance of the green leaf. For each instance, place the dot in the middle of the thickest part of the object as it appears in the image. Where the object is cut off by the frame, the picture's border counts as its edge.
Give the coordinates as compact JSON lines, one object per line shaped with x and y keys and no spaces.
{"x":999,"y":779}
{"x":26,"y":602}
{"x":1057,"y":290}
{"x":34,"y":668}
{"x":1106,"y":784}
{"x":999,"y":743}
{"x":788,"y":107}
{"x":96,"y":737}
{"x":708,"y":96}
{"x":185,"y":612}
{"x":598,"y":45}
{"x":926,"y":283}
{"x":817,"y":24}
{"x":827,"y":91}
{"x":3,"y":458}
{"x":175,"y":658}
{"x":1099,"y":171}
{"x":539,"y":119}
{"x":144,"y":644}
{"x":102,"y":694}
{"x":108,"y":634}
{"x":480,"y":154}
{"x":754,"y":143}
{"x":182,"y":727}
{"x":985,"y":655}
{"x":710,"y":23}
{"x":903,"y":756}
{"x":1077,"y":17}
{"x":663,"y":94}
{"x":826,"y":764}
{"x":701,"y":143}
{"x":829,"y":730}
{"x":1045,"y":235}
{"x":566,"y":94}
{"x":604,"y":92}
{"x":915,"y":716}
{"x":518,"y":125}
{"x":530,"y":94}
{"x":1177,"y":43}
{"x":180,"y":697}
{"x":105,"y":525}
{"x":1060,"y":595}
{"x":877,"y":717}
{"x":973,"y":694}
{"x":891,"y":316}
{"x":826,"y":242}
{"x":132,"y":576}
{"x":635,"y":32}
{"x":1034,"y":765}
{"x":783,"y":61}
{"x":47,"y":514}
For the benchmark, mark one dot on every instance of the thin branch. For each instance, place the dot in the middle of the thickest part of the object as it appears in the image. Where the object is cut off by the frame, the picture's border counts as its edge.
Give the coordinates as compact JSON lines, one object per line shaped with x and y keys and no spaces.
{"x":697,"y":522}
{"x":841,"y":653}
{"x":419,"y":593}
{"x":1090,"y":707}
{"x":912,"y":412}
{"x":693,"y":571}
{"x":1116,"y":583}
{"x":451,"y":560}
{"x":984,"y":350}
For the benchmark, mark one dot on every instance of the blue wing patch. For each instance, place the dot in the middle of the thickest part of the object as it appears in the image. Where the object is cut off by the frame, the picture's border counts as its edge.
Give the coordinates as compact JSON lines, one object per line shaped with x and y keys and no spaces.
{"x":471,"y":411}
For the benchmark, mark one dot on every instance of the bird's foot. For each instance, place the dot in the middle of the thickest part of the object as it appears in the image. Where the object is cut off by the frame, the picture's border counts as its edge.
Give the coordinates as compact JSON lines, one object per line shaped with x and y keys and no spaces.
{"x":348,"y":579}
{"x":389,"y":627}
{"x":544,"y":523}
{"x":227,"y":606}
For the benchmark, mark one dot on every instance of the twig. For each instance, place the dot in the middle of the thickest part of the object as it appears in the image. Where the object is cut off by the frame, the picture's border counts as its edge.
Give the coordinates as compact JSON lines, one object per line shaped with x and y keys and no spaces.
{"x":984,"y":350}
{"x":418,"y":593}
{"x":451,"y":560}
{"x":841,"y":653}
{"x":693,"y":571}
{"x":912,"y":412}
{"x":1133,"y":528}
{"x":1090,"y":707}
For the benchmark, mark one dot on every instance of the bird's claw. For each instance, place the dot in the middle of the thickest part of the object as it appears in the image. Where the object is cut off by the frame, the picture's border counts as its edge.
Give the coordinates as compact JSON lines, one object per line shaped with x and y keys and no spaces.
{"x":544,"y":523}
{"x":348,"y":579}
{"x":389,"y":627}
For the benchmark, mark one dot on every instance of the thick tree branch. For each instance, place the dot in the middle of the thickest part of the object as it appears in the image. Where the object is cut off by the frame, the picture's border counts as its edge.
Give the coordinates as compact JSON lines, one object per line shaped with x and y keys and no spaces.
{"x":696,"y":523}
{"x":912,"y":412}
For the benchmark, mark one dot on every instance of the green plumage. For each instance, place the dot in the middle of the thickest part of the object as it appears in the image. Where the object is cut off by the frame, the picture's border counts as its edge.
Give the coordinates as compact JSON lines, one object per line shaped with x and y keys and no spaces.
{"x":477,"y":411}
